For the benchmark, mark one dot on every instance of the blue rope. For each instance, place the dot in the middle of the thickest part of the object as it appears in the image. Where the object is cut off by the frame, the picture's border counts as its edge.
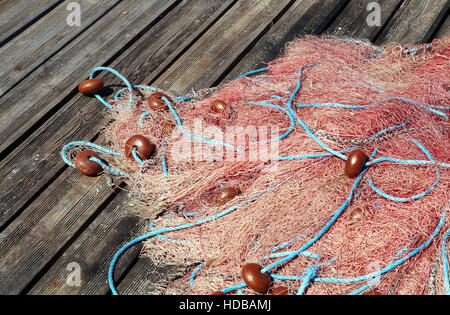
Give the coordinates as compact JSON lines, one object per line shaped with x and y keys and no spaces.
{"x":108,"y":168}
{"x":427,"y":107}
{"x":300,"y":122}
{"x":305,"y":254}
{"x":187,"y":134}
{"x":141,"y":119}
{"x":135,"y":156}
{"x":408,"y":162}
{"x":309,"y":276}
{"x":183,"y":99}
{"x":291,"y":117}
{"x":86,"y":144}
{"x":445,"y":262}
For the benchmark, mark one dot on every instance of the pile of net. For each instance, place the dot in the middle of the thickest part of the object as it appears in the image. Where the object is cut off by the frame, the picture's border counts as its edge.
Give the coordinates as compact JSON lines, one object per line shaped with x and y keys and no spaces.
{"x":282,"y":141}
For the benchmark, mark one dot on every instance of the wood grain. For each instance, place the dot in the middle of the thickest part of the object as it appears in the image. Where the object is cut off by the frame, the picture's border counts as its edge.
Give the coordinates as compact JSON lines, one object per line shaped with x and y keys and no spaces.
{"x":33,"y":97}
{"x":15,"y":15}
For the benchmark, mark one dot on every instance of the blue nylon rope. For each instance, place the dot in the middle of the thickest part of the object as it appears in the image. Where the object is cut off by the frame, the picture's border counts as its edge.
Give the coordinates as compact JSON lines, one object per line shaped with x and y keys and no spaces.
{"x":135,"y":156}
{"x":305,"y":254}
{"x":392,"y":266}
{"x":300,"y":122}
{"x":141,"y":119}
{"x":309,"y":276}
{"x":291,"y":117}
{"x":87,"y":144}
{"x":187,"y":134}
{"x":427,"y":107}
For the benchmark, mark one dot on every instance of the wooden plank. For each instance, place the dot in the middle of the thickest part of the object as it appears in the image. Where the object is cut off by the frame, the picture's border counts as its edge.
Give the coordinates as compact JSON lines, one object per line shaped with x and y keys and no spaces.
{"x":304,"y":17}
{"x":27,"y":170}
{"x":208,"y":58}
{"x":415,"y":21}
{"x":146,"y":278}
{"x":233,"y":10}
{"x":42,"y":40}
{"x":57,"y":79}
{"x":17,"y":15}
{"x":32,"y":225}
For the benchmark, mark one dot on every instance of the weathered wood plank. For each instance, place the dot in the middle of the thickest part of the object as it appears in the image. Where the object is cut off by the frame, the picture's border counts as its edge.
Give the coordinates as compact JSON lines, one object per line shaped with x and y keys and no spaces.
{"x":266,"y":49}
{"x":57,"y":79}
{"x":17,"y":15}
{"x":25,"y":225}
{"x":36,"y":161}
{"x":414,"y":22}
{"x":39,"y":42}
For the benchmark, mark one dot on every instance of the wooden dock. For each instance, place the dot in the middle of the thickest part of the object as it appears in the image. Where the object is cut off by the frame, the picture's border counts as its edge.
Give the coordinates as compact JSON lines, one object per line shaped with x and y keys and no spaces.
{"x":52,"y":216}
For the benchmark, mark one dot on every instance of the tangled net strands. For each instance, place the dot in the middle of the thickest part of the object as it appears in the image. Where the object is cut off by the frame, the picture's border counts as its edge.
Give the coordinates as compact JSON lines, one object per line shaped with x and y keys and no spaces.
{"x":312,"y":228}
